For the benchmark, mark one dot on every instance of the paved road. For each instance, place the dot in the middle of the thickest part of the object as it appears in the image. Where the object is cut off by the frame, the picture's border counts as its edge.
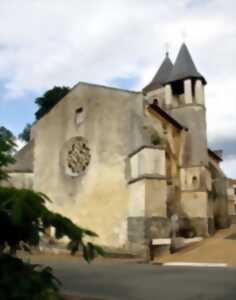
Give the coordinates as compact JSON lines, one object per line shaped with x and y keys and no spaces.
{"x":133,"y":281}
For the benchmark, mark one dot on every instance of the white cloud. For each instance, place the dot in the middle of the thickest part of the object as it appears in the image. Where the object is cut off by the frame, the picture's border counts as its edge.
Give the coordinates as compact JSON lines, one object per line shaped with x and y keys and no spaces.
{"x":229,"y":167}
{"x":19,"y":144}
{"x":221,"y":109}
{"x":45,"y":43}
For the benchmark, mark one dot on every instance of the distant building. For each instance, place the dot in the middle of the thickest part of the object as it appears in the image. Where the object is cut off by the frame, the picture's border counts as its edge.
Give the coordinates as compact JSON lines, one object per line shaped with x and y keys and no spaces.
{"x":122,"y":163}
{"x":232,"y":198}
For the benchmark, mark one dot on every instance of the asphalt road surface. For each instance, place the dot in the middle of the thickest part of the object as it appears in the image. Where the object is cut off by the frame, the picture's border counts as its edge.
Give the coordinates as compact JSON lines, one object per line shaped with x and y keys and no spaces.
{"x":111,"y":280}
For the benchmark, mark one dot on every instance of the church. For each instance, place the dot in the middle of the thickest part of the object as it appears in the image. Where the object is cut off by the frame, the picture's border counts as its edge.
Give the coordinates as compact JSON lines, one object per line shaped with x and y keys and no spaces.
{"x":122,"y":163}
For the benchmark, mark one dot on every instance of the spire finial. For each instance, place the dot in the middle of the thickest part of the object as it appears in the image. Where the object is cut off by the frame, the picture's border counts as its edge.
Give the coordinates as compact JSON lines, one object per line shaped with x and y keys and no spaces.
{"x":167,"y":48}
{"x":184,"y":35}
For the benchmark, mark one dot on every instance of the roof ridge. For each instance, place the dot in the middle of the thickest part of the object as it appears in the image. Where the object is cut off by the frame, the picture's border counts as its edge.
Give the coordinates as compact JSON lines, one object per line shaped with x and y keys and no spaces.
{"x":108,"y":87}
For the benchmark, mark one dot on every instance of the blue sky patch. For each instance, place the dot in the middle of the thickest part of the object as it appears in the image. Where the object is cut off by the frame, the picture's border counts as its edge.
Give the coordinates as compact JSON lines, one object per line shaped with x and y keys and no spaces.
{"x":15,"y":113}
{"x":126,"y":83}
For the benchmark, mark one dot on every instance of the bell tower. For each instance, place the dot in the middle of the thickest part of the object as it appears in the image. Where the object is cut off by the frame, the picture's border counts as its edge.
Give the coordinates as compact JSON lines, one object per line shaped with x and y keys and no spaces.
{"x":179,"y":90}
{"x":184,"y":99}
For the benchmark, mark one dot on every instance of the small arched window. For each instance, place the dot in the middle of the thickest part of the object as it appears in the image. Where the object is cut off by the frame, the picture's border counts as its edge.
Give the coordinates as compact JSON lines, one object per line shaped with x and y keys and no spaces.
{"x":155,"y":102}
{"x":194,"y":181}
{"x":79,"y":115}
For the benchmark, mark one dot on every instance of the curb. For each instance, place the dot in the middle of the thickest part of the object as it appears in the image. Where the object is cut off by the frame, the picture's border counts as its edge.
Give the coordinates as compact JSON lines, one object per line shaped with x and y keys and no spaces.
{"x":191,"y":264}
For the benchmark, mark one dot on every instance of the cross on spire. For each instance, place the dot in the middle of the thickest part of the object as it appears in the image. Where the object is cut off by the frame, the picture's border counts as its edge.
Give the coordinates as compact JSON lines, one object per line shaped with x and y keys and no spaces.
{"x":167,"y":48}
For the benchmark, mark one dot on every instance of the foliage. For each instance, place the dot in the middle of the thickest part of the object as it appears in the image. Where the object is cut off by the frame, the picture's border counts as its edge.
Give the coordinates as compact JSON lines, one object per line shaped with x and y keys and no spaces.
{"x":45,"y":103}
{"x":155,"y":139}
{"x":25,"y":134}
{"x":49,"y":100}
{"x":6,"y":150}
{"x":22,"y":279}
{"x":24,"y":217}
{"x":6,"y":133}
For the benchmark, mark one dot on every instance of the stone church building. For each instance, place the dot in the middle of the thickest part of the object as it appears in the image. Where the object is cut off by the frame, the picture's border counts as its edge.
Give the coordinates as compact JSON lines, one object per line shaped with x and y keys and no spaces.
{"x":122,"y":163}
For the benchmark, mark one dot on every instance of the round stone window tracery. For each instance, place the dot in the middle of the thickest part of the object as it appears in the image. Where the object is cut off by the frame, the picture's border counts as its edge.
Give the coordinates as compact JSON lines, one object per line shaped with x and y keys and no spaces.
{"x":76,"y":156}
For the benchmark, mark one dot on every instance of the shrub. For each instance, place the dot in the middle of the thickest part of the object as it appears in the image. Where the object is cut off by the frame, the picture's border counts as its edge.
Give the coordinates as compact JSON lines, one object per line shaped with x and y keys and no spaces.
{"x":23,"y":217}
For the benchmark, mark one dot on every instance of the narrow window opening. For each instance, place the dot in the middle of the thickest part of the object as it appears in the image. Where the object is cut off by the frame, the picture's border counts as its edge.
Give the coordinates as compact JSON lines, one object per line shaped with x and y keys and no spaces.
{"x":79,"y":110}
{"x":155,"y":102}
{"x":79,"y":115}
{"x":178,"y":87}
{"x":194,"y":180}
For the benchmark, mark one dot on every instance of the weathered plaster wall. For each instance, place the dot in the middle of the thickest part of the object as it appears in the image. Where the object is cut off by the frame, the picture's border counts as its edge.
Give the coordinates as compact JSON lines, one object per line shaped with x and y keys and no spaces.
{"x":219,"y":196}
{"x":195,"y":178}
{"x":194,"y":204}
{"x":20,"y":180}
{"x":148,"y":198}
{"x":158,"y":94}
{"x":193,"y":117}
{"x":156,"y":196}
{"x":194,"y":212}
{"x":231,"y":202}
{"x":147,"y":213}
{"x":150,"y":160}
{"x":231,"y":207}
{"x":221,"y":203}
{"x":113,"y":128}
{"x":172,"y":138}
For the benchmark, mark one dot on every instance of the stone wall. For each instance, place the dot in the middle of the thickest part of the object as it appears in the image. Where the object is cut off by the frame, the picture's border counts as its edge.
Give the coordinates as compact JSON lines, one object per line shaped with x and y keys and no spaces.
{"x":20,"y":180}
{"x":95,"y":195}
{"x":147,"y":213}
{"x":193,"y":117}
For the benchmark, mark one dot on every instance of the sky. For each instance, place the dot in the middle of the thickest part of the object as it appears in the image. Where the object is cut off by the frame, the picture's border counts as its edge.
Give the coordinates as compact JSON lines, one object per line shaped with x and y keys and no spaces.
{"x":118,"y":43}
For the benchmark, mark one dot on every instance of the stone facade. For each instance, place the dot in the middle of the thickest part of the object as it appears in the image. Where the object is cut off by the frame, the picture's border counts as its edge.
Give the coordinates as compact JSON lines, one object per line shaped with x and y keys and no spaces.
{"x":231,"y":193}
{"x":122,"y":163}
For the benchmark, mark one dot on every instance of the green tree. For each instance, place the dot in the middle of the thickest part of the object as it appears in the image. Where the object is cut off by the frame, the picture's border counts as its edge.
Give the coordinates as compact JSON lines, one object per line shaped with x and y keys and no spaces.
{"x":6,"y":133}
{"x":24,"y":216}
{"x":50,"y":99}
{"x":6,"y":150}
{"x":25,"y":134}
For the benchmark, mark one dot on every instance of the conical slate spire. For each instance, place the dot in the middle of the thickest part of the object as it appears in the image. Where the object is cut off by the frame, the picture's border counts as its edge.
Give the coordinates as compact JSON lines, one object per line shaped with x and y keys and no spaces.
{"x":184,"y":67}
{"x":162,"y":75}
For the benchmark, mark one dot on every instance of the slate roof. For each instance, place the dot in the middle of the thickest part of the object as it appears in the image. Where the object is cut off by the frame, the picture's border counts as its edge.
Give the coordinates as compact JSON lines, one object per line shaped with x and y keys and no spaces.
{"x":214,"y":154}
{"x":162,"y":75}
{"x":23,"y":160}
{"x":184,"y":67}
